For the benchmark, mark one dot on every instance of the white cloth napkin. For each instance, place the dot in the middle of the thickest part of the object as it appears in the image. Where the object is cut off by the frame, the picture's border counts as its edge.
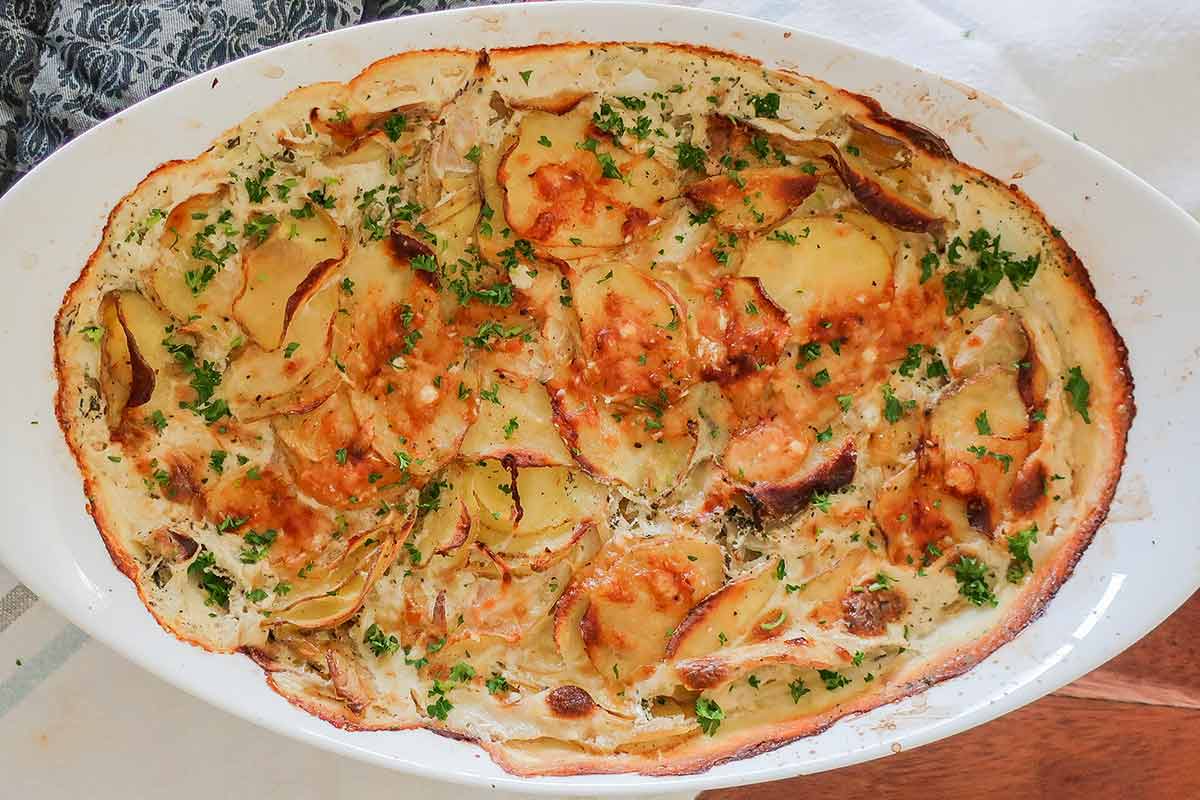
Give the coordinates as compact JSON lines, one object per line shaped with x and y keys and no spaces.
{"x":78,"y":721}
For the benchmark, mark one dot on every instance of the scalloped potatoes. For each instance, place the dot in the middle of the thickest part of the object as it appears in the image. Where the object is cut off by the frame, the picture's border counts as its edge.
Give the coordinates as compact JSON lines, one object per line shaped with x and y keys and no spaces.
{"x":617,"y":407}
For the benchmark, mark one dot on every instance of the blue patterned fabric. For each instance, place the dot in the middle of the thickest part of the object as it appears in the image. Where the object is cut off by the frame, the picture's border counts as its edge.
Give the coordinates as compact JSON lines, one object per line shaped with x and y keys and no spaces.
{"x":64,"y":66}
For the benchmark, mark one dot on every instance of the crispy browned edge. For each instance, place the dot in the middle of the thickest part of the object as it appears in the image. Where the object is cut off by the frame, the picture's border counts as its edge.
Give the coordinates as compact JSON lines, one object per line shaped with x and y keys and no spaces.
{"x":952,"y":663}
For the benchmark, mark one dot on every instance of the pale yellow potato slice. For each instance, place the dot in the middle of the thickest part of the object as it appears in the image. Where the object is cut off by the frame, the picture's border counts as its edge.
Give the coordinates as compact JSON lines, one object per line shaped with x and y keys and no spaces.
{"x":282,"y":271}
{"x":258,"y":376}
{"x":177,"y":275}
{"x":620,"y":614}
{"x":132,"y":358}
{"x":730,"y":616}
{"x":819,"y":268}
{"x":520,"y":425}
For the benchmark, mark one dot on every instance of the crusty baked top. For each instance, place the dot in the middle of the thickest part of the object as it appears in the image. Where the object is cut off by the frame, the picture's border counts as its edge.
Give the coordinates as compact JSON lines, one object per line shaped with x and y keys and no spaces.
{"x":621,"y":407}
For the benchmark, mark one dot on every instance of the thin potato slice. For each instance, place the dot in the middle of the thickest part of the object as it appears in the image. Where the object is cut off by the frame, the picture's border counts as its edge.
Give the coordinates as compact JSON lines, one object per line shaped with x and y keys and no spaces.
{"x":821,"y":268}
{"x":578,"y":187}
{"x":132,"y":358}
{"x":620,"y":613}
{"x":259,"y":376}
{"x":282,"y":272}
{"x":186,"y":279}
{"x":759,"y":197}
{"x":519,"y":425}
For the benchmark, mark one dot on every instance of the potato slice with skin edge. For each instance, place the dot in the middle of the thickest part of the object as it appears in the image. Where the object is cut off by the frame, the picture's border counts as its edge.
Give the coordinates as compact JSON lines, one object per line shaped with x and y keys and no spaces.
{"x":759,"y":198}
{"x":826,"y":469}
{"x":556,"y":193}
{"x":169,"y":276}
{"x":833,"y":269}
{"x":310,"y":393}
{"x":649,"y":584}
{"x":732,"y":612}
{"x":282,"y":272}
{"x":331,"y":610}
{"x":258,"y":375}
{"x":882,"y":198}
{"x":535,"y":441}
{"x":551,"y":497}
{"x":132,"y":358}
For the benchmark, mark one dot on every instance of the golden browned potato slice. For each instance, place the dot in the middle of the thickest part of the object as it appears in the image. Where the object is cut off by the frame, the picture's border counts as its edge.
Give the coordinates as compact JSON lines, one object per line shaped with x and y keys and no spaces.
{"x":258,"y":379}
{"x":623,"y":610}
{"x":332,"y":460}
{"x":132,"y":357}
{"x":197,"y":272}
{"x":561,"y":184}
{"x":647,"y":448}
{"x":757,"y":198}
{"x":283,"y":271}
{"x":827,"y":466}
{"x":518,"y":424}
{"x":410,"y":388}
{"x":821,"y":268}
{"x":635,"y":339}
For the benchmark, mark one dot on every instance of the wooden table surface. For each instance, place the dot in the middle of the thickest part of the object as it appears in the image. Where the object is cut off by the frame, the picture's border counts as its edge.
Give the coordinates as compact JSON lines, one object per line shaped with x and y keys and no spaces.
{"x":1129,"y":730}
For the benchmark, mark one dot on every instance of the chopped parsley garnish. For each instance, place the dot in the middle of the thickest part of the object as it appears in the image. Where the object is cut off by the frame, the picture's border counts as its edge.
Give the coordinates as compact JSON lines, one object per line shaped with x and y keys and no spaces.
{"x":820,"y":379}
{"x":1080,"y":391}
{"x":216,"y":461}
{"x":93,"y":333}
{"x":608,"y":120}
{"x":912,"y":360}
{"x":525,"y":74}
{"x":256,"y":595}
{"x":291,"y":349}
{"x":971,"y":574}
{"x":157,"y":420}
{"x":982,"y":425}
{"x":965,"y":288}
{"x":257,"y":545}
{"x":394,"y":126}
{"x":496,"y":684}
{"x":215,"y":586}
{"x":474,"y":154}
{"x":690,"y":157}
{"x":256,"y":187}
{"x":633,"y":103}
{"x":510,"y":427}
{"x":893,"y":408}
{"x":381,"y":644}
{"x":833,"y":679}
{"x":1018,"y":548}
{"x":798,"y":690}
{"x":929,"y":263}
{"x":709,"y":715}
{"x":766,"y":105}
{"x":259,"y":227}
{"x":821,"y":501}
{"x":825,"y":435}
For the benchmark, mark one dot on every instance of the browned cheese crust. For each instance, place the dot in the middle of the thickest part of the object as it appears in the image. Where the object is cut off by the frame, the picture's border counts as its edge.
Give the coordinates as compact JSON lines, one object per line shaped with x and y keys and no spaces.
{"x":622,"y":407}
